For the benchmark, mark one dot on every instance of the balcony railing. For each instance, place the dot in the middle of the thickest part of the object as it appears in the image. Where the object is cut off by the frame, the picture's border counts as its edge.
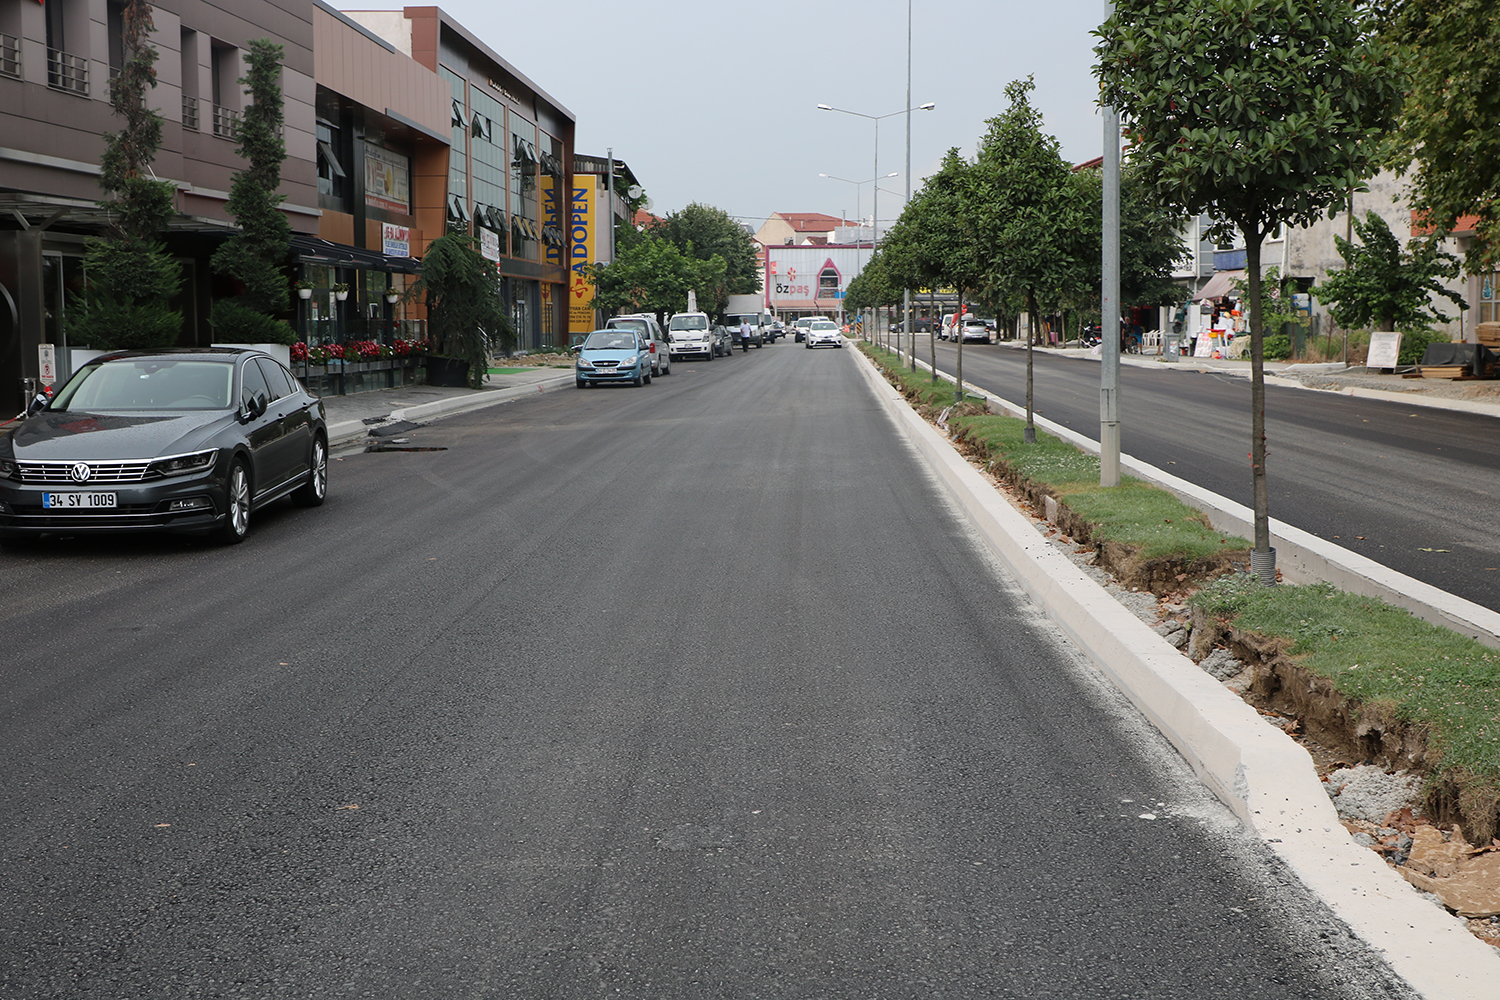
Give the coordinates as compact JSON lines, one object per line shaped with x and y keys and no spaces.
{"x":10,"y":56}
{"x":190,"y":112}
{"x":67,"y":72}
{"x":226,"y":122}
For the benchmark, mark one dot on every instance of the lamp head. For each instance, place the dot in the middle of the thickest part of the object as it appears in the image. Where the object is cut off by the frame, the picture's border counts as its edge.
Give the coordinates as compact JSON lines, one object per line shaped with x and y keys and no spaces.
{"x":926,"y":107}
{"x":825,"y":107}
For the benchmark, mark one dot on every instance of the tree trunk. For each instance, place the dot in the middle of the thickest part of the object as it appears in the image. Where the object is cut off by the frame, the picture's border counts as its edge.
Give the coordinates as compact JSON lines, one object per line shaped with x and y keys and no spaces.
{"x":958,"y":389}
{"x":1263,"y":559}
{"x":1029,"y":435}
{"x":931,"y":328}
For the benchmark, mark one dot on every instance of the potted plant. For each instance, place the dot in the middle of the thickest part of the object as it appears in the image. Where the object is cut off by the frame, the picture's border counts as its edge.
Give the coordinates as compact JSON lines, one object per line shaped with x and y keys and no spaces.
{"x":391,"y":295}
{"x":461,"y":291}
{"x":340,"y":291}
{"x":304,"y":289}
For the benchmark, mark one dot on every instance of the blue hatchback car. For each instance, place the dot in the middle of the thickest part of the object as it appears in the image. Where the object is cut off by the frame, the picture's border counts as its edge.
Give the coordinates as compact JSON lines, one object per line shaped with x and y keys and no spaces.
{"x":612,"y":356}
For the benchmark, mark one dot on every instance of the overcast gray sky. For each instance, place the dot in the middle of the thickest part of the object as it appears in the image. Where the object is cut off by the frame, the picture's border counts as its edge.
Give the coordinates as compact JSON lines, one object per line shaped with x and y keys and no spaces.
{"x":715,"y":101}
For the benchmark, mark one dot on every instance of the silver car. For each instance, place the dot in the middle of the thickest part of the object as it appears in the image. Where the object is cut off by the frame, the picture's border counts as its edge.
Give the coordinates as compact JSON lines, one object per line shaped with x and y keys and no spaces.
{"x":823,"y":333}
{"x":650,"y":331}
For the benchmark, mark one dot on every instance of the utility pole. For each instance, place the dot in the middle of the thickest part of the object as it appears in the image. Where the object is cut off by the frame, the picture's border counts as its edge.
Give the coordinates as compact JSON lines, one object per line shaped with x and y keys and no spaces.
{"x":1109,"y":305}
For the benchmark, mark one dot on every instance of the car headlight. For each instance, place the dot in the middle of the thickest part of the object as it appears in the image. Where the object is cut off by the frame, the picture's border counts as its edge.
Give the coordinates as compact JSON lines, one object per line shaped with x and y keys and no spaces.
{"x":585,"y":363}
{"x":182,"y":465}
{"x":631,"y":361}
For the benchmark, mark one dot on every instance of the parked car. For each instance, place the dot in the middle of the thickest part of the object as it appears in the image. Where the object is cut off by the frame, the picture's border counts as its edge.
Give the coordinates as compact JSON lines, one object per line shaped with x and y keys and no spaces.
{"x":975,"y":329}
{"x":648,"y":327}
{"x":190,"y":440}
{"x":692,"y":335}
{"x":733,"y":322}
{"x":607,"y":356}
{"x":945,"y":326}
{"x":823,"y":333}
{"x":723,"y":345}
{"x":775,"y":329}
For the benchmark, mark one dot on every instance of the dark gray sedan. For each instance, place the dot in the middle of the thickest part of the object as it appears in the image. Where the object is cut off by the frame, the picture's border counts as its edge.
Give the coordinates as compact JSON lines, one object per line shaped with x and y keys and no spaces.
{"x":190,"y":440}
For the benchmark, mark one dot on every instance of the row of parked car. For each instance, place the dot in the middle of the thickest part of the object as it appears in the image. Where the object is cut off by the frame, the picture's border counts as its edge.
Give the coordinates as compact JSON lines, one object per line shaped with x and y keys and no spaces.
{"x":966,"y":328}
{"x":635,"y":349}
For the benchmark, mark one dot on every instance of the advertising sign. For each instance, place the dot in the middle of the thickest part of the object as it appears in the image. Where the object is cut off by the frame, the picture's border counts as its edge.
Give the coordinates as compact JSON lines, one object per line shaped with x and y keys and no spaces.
{"x":1385,"y":348}
{"x":387,"y":180}
{"x":552,"y":215}
{"x":581,"y":244}
{"x":489,"y":243}
{"x":395,"y":241}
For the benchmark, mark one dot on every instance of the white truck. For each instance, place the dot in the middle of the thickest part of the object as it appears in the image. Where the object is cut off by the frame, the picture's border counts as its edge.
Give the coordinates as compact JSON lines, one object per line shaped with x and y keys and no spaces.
{"x":742,"y":308}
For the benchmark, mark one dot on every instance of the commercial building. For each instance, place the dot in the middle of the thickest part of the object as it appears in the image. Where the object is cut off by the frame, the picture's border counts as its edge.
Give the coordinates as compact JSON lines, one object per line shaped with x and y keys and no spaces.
{"x":511,"y":154}
{"x":55,"y":63}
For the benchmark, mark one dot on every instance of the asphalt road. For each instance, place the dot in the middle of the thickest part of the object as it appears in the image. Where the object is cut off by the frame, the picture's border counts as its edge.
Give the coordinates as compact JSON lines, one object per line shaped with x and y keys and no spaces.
{"x":1410,"y":487}
{"x":696,"y":690}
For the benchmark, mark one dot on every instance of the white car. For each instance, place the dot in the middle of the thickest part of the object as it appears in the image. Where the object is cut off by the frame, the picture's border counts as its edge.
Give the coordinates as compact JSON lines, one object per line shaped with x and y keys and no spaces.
{"x":975,"y":329}
{"x":799,"y":328}
{"x":690,"y":335}
{"x":823,"y":333}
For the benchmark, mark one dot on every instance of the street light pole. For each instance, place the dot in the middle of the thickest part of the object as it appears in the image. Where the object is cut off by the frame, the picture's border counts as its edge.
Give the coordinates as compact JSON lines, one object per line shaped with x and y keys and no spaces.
{"x":911,"y":334}
{"x":875,"y":239}
{"x":1109,"y":318}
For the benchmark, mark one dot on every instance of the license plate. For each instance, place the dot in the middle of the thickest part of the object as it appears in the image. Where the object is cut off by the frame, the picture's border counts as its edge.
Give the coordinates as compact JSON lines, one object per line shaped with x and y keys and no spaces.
{"x":71,"y":500}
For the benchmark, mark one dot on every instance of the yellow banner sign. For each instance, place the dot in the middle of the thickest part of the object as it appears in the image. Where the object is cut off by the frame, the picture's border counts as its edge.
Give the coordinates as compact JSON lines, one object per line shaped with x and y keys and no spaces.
{"x":581,"y":234}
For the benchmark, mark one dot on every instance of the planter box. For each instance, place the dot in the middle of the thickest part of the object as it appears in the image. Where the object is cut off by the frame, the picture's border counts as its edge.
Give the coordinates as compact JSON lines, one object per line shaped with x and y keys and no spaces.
{"x":452,"y":372}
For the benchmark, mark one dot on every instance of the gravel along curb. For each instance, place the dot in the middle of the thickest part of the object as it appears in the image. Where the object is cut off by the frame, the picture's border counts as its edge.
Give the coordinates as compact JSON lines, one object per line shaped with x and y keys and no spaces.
{"x":348,"y":431}
{"x":1258,"y":771}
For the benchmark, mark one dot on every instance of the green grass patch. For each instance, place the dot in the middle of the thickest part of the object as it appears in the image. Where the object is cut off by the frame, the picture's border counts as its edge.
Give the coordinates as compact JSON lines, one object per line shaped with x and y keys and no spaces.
{"x":1383,"y":656}
{"x":1135,"y":514}
{"x":507,"y":371}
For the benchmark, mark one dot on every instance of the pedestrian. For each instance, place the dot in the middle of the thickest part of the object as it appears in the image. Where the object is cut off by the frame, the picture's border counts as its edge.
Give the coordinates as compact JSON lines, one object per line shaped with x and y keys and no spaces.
{"x":745,"y":335}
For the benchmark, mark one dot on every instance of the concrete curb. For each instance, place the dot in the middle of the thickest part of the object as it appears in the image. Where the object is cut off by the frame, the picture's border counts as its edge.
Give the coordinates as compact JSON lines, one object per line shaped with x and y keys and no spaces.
{"x":1301,"y":556}
{"x":347,"y":431}
{"x":1256,"y":770}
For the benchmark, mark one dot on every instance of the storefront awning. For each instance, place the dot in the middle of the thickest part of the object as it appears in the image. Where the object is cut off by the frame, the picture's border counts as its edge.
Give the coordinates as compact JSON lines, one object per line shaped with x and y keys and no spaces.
{"x":1221,"y":284}
{"x":806,"y":305}
{"x":318,"y":251}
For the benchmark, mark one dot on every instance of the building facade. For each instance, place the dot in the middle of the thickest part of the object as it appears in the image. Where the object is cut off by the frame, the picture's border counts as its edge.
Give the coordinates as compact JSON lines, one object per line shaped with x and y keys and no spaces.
{"x":56,"y":60}
{"x":509,"y":165}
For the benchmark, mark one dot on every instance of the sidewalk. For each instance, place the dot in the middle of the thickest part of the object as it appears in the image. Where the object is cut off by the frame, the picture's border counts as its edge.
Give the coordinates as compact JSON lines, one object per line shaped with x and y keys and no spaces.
{"x":351,"y":417}
{"x":1467,"y":396}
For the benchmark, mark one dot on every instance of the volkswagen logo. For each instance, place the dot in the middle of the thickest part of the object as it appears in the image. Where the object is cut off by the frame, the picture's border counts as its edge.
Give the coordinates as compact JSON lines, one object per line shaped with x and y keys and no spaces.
{"x":80,"y":472}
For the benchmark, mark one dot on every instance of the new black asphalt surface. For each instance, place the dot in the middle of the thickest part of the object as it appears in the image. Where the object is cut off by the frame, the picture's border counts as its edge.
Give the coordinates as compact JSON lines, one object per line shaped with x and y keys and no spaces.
{"x":1410,"y":487}
{"x":693,"y":690}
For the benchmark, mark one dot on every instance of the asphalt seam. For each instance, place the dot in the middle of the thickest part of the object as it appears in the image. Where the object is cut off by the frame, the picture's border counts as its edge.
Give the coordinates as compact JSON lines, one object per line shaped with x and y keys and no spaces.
{"x":1259,"y":772}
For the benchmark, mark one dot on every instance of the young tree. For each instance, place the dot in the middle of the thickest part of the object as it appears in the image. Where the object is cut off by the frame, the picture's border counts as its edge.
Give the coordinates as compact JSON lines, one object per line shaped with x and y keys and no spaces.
{"x":1262,"y":113}
{"x":254,"y":255}
{"x":653,"y":275}
{"x":1385,"y":287}
{"x":704,"y":232}
{"x":466,"y":313}
{"x":1449,"y":130}
{"x":1029,"y":213}
{"x":131,"y":277}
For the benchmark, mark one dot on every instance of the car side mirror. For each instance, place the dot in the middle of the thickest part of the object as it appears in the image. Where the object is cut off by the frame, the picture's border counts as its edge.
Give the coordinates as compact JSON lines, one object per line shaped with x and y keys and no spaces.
{"x":37,"y":404}
{"x":575,"y":348}
{"x":255,"y":406}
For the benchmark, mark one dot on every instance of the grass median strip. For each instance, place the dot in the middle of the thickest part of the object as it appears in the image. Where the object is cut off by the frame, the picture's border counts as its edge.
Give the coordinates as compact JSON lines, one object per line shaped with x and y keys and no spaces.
{"x":1381,"y":683}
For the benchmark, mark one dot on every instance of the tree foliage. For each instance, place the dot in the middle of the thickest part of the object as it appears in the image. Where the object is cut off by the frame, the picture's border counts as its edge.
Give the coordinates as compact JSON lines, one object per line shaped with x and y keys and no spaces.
{"x":1384,"y":286}
{"x":1262,"y":113}
{"x":652,"y":274}
{"x":1449,"y":129}
{"x":254,"y":255}
{"x":704,"y":232}
{"x":873,"y":287}
{"x":466,"y":312}
{"x":131,"y":276}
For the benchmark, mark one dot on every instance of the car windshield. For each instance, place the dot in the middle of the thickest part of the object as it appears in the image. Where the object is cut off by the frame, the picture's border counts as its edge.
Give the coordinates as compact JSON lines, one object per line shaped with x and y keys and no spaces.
{"x":689,"y":323}
{"x":610,"y":340}
{"x":148,"y":385}
{"x":824,"y":324}
{"x":638,"y":325}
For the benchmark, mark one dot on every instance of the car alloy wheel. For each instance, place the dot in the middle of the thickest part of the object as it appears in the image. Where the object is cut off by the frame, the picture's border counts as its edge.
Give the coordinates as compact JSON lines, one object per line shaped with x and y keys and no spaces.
{"x":312,"y":492}
{"x":237,"y":494}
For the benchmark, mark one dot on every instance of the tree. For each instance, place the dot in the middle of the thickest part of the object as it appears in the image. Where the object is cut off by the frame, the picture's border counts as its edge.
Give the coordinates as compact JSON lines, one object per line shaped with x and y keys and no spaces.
{"x":1448,"y":134}
{"x":1262,"y":113}
{"x":254,"y":255}
{"x":652,"y":275}
{"x":466,"y":313}
{"x":1385,"y":287}
{"x":131,"y":277}
{"x":1029,"y":213}
{"x":704,"y":232}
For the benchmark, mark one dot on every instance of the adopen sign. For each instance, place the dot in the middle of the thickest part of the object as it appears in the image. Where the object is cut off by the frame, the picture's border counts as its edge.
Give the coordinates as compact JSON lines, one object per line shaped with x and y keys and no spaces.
{"x":47,"y":355}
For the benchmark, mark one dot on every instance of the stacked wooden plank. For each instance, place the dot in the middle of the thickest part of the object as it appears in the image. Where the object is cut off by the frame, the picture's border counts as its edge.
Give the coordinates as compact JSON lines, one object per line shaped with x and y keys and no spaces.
{"x":1444,"y":371}
{"x":1489,"y":335}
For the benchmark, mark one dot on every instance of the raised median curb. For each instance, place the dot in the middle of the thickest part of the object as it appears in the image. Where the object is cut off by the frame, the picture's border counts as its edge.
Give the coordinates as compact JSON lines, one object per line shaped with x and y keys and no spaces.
{"x":1257,"y":770}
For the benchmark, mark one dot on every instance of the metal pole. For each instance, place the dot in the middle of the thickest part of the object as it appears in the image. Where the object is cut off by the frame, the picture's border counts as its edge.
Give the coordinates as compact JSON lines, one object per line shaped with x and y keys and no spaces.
{"x":609,"y":213}
{"x":1109,"y":319}
{"x":875,"y":220}
{"x":911,"y":334}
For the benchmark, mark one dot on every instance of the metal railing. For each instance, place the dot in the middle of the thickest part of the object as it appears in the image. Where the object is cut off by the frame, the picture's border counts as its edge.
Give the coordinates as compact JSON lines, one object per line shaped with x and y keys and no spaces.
{"x":190,"y":112}
{"x":67,"y":72}
{"x":226,"y":122}
{"x":10,"y":56}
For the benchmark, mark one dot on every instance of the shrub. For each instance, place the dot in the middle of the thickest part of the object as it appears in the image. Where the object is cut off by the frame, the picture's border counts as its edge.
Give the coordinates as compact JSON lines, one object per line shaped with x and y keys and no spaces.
{"x":234,"y":322}
{"x":124,"y":306}
{"x":1278,"y":347}
{"x":1414,"y":345}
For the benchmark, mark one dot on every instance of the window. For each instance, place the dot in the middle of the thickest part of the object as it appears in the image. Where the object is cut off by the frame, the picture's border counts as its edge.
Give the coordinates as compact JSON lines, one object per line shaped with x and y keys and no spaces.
{"x":1489,"y":297}
{"x":276,"y":377}
{"x":225,"y":62}
{"x":333,"y":178}
{"x":828,"y":283}
{"x":66,"y":71}
{"x":255,"y":382}
{"x":189,"y":55}
{"x":115,"y":22}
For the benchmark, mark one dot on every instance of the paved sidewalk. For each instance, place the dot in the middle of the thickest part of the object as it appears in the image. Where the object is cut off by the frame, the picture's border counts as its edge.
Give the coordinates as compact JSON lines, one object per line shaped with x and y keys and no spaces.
{"x":351,"y":417}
